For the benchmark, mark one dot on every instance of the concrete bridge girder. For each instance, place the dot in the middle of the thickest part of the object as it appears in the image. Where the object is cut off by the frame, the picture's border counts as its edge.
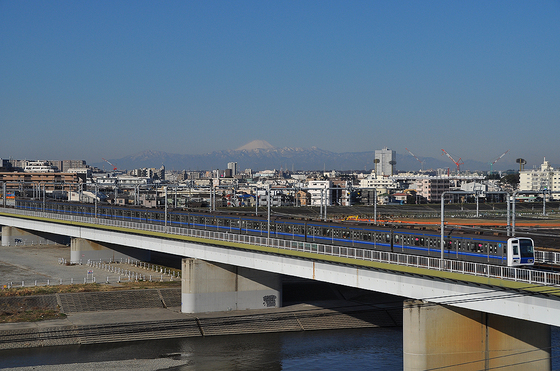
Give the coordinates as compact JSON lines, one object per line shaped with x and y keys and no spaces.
{"x":13,"y":236}
{"x":537,"y":308}
{"x":83,"y":250}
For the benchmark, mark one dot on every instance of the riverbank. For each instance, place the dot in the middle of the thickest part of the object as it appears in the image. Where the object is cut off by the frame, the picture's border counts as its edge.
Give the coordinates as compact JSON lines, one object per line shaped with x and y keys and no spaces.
{"x":153,"y":312}
{"x":135,"y":315}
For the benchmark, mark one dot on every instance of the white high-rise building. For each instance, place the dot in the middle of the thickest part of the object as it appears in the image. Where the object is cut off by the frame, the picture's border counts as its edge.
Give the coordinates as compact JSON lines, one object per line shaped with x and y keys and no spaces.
{"x":385,"y":161}
{"x":233,"y":167}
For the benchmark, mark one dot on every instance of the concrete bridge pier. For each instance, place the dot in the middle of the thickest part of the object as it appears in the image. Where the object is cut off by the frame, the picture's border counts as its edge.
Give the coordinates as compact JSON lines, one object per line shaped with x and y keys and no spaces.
{"x":214,"y":287}
{"x":443,"y":337}
{"x":82,"y":250}
{"x":12,"y":236}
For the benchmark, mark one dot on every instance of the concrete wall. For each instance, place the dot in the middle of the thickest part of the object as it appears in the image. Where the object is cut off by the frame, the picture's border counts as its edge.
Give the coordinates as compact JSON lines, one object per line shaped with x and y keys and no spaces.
{"x":214,"y":287}
{"x":12,"y":236}
{"x":82,"y":250}
{"x":444,"y":337}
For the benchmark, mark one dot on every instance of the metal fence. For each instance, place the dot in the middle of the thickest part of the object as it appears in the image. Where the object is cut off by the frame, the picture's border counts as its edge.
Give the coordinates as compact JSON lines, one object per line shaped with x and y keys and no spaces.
{"x":525,"y":275}
{"x":549,"y":257}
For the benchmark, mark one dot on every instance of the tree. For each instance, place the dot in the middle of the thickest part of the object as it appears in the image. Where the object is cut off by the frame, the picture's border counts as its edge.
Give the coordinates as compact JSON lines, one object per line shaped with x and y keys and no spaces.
{"x":511,"y":179}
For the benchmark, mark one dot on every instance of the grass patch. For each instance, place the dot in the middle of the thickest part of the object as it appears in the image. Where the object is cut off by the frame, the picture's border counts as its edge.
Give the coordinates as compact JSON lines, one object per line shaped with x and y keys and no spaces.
{"x":30,"y":315}
{"x":88,"y":287}
{"x":34,"y":314}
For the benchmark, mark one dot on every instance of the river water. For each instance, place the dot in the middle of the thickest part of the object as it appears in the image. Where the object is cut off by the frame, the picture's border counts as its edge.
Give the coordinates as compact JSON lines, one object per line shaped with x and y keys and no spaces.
{"x":362,"y":349}
{"x":371,"y":349}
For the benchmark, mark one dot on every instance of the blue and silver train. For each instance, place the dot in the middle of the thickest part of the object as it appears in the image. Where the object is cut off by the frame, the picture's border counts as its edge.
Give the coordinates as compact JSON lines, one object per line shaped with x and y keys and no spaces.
{"x":458,"y":245}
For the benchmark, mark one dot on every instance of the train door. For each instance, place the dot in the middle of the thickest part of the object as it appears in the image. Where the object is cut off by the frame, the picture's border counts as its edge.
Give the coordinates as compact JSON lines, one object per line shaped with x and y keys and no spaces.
{"x":398,"y":243}
{"x":513,"y":253}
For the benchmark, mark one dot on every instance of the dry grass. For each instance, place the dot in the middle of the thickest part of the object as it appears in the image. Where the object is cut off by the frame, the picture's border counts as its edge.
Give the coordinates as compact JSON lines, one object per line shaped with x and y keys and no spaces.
{"x":41,"y":314}
{"x":89,"y":287}
{"x":31,"y":315}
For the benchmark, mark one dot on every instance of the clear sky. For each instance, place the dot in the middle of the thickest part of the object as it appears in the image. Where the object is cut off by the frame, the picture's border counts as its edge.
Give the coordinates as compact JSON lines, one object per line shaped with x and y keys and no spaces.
{"x":93,"y":79}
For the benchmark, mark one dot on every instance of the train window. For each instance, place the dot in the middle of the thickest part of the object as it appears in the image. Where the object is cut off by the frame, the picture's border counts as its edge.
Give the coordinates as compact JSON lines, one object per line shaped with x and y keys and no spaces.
{"x":387,"y":238}
{"x":526,"y":247}
{"x":396,"y":238}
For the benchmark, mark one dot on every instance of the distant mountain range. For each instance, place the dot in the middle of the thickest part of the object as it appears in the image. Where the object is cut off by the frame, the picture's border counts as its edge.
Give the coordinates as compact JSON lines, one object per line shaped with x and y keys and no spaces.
{"x":260,"y":155}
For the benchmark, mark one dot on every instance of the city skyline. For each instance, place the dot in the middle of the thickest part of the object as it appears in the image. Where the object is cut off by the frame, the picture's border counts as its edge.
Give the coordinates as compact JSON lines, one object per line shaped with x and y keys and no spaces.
{"x":261,"y":155}
{"x":111,"y":79}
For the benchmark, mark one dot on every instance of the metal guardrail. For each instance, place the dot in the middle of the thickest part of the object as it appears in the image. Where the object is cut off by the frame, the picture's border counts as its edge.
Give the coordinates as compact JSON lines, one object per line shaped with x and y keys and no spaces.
{"x":549,"y":257}
{"x":525,"y":275}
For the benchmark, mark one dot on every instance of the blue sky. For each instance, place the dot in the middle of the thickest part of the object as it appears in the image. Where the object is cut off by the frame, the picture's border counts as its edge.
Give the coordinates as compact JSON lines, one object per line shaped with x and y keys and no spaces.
{"x":93,"y":79}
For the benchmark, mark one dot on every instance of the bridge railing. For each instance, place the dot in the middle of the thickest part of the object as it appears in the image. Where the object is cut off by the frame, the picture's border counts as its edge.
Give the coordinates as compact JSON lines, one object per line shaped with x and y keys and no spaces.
{"x":550,"y":257}
{"x":525,"y":275}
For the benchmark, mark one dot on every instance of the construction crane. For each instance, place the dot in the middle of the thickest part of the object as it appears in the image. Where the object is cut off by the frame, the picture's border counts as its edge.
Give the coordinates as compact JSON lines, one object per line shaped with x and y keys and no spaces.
{"x":114,"y":167}
{"x":496,"y":160}
{"x":458,"y":163}
{"x":421,"y":162}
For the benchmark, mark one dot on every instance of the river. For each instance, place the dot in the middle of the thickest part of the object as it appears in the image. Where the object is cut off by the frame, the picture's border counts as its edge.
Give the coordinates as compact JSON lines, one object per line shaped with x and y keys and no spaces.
{"x":371,"y":349}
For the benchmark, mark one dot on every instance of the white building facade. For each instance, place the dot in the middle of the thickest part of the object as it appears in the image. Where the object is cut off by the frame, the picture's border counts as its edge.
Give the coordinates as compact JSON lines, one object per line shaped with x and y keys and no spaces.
{"x":320,"y":192}
{"x":545,"y":178}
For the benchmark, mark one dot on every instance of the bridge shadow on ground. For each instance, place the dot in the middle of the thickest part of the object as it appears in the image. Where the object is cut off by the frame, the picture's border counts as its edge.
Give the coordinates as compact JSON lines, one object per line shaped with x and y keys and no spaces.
{"x":359,"y":308}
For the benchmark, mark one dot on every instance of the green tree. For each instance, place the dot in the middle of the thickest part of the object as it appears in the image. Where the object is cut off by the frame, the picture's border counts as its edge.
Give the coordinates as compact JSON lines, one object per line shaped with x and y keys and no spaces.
{"x":511,"y":179}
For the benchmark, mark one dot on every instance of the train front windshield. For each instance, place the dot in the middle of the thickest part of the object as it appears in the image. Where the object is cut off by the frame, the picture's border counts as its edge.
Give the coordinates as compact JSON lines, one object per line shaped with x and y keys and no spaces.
{"x":526,"y":247}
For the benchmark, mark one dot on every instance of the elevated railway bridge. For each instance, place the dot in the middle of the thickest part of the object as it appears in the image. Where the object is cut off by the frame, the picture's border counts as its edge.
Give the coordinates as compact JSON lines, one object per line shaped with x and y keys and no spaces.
{"x":477,"y":315}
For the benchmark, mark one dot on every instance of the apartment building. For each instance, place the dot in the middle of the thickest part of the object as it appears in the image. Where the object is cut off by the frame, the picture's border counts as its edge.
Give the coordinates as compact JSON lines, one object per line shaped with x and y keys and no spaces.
{"x":543,"y":178}
{"x":320,"y":192}
{"x":431,"y":189}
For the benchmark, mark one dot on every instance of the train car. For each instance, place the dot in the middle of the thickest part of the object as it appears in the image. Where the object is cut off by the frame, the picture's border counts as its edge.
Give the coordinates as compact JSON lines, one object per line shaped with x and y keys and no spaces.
{"x":514,"y":251}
